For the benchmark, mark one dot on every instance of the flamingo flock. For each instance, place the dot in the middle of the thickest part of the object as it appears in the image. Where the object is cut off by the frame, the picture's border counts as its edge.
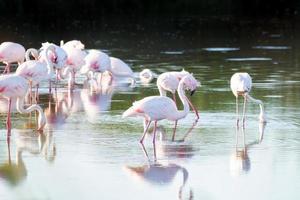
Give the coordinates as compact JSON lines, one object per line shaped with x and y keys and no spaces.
{"x":53,"y":63}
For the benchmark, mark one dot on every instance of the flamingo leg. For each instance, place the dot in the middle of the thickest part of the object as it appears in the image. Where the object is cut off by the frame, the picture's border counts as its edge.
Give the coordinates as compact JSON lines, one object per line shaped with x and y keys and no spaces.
{"x":145,"y":131}
{"x":174,"y":99}
{"x":244,"y":112}
{"x":237,"y":119}
{"x":154,"y":137}
{"x":30,"y":92}
{"x":193,"y":107}
{"x":6,"y":69}
{"x":37,"y":93}
{"x":8,"y":121}
{"x":174,"y":131}
{"x":8,"y":150}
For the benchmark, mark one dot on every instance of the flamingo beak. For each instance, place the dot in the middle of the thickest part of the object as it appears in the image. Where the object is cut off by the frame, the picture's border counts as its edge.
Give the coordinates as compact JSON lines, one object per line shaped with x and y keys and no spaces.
{"x":192,"y":92}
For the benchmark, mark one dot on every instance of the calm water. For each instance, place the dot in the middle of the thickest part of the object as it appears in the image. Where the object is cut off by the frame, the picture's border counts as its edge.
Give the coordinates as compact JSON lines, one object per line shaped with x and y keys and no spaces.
{"x":88,"y":151}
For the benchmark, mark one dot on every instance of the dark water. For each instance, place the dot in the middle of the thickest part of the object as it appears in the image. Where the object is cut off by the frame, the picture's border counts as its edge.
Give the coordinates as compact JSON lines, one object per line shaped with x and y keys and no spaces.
{"x":88,"y":151}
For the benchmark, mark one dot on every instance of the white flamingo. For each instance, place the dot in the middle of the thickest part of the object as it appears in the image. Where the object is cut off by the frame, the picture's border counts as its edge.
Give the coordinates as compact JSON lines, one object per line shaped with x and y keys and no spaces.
{"x":241,"y":84}
{"x":156,"y":108}
{"x":146,"y":76}
{"x":11,"y":52}
{"x":169,"y":81}
{"x":15,"y":86}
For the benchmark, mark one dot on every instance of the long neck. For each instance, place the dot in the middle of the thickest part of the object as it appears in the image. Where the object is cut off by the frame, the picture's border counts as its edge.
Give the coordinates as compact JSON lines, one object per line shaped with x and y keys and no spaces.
{"x":34,"y":107}
{"x":186,"y":107}
{"x":162,"y":92}
{"x":31,"y":51}
{"x":261,"y":106}
{"x":67,"y":72}
{"x":48,"y":62}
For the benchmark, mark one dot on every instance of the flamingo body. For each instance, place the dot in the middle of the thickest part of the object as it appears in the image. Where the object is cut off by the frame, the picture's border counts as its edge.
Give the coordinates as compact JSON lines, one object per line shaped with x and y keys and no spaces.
{"x":11,"y":52}
{"x":76,"y":44}
{"x":120,"y":68}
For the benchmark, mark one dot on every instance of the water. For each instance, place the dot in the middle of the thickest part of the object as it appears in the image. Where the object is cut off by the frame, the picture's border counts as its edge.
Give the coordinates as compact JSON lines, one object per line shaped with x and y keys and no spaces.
{"x":88,"y":151}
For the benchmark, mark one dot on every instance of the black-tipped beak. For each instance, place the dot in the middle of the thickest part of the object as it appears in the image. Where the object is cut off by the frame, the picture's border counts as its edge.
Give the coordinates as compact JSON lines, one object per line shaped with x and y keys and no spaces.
{"x":192,"y":92}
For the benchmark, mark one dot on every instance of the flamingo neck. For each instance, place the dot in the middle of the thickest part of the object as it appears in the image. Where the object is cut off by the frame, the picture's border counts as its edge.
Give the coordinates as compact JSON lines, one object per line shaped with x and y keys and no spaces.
{"x":48,"y":62}
{"x":186,"y":108}
{"x":34,"y":107}
{"x":162,"y":92}
{"x":67,"y":72}
{"x":31,"y":51}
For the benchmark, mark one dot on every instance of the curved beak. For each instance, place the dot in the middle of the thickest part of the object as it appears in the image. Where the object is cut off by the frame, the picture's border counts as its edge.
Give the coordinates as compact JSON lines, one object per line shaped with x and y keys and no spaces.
{"x":192,"y":92}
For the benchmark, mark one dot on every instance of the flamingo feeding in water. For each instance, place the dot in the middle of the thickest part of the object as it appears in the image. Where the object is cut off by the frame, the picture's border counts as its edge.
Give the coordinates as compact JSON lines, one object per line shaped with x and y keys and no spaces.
{"x":15,"y":86}
{"x":240,"y":85}
{"x":75,"y":60}
{"x":96,"y":61}
{"x":36,"y":71}
{"x":121,"y":69}
{"x":146,"y":76}
{"x":11,"y":52}
{"x":155,"y":108}
{"x":169,"y":81}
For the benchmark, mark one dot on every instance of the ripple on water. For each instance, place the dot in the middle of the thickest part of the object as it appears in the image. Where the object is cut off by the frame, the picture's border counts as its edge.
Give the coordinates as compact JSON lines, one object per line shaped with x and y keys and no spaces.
{"x":249,"y":59}
{"x":272,"y":47}
{"x":172,"y":52}
{"x":221,"y":49}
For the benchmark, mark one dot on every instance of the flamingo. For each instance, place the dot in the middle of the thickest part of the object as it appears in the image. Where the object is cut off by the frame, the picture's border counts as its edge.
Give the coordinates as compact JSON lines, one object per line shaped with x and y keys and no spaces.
{"x":146,"y":76}
{"x":77,"y":44}
{"x":36,"y":71}
{"x":169,"y":81}
{"x":155,"y":108}
{"x":15,"y":86}
{"x":96,"y":61}
{"x":240,"y":85}
{"x":58,"y":57}
{"x":11,"y":52}
{"x":75,"y":60}
{"x":120,"y":69}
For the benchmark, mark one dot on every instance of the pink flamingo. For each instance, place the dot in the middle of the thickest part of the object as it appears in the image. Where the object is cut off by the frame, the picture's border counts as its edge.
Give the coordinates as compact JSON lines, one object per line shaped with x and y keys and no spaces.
{"x":146,"y":76}
{"x":57,"y":57}
{"x":77,"y":44}
{"x":75,"y":60}
{"x":15,"y":86}
{"x":11,"y":52}
{"x":169,"y":81}
{"x":36,"y":71}
{"x":96,"y":61}
{"x":120,"y":69}
{"x":155,"y":108}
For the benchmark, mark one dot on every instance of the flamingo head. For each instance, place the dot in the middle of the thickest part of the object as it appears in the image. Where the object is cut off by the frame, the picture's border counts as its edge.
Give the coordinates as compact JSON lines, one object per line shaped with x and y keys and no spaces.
{"x":190,"y":83}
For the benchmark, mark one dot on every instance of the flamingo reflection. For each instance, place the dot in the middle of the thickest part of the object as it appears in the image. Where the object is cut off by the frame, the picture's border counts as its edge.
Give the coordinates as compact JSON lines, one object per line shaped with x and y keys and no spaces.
{"x":239,"y":160}
{"x":159,"y":173}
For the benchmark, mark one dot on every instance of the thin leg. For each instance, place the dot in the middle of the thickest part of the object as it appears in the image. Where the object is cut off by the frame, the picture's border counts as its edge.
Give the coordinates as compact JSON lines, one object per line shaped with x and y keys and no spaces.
{"x":8,"y":122}
{"x":50,"y":89}
{"x":154,"y":138}
{"x":8,"y":149}
{"x":193,"y":107}
{"x":174,"y":131}
{"x":244,"y":112}
{"x":6,"y":69}
{"x":237,"y":121}
{"x":145,"y":152}
{"x":174,"y":99}
{"x":145,"y":131}
{"x":37,"y":93}
{"x":30,"y":92}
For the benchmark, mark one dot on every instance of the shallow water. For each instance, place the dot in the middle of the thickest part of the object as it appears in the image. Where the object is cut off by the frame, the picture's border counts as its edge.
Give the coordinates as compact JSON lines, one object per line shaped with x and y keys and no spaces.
{"x":88,"y":151}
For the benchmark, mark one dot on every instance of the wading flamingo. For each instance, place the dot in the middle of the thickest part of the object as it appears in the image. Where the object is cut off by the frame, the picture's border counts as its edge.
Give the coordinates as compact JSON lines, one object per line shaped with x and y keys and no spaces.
{"x":36,"y":71}
{"x":121,"y":69}
{"x":75,"y":60}
{"x":169,"y":81}
{"x":77,"y":44}
{"x":11,"y":52}
{"x":146,"y":76}
{"x":15,"y":86}
{"x":156,"y":108}
{"x":96,"y":61}
{"x":58,"y":57}
{"x":240,"y":85}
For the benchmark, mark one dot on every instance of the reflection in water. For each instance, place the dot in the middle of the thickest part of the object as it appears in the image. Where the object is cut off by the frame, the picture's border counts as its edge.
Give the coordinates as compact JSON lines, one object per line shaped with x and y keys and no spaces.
{"x":239,"y":160}
{"x":159,"y":173}
{"x":65,"y":103}
{"x":4,"y":105}
{"x":96,"y":102}
{"x":14,"y":170}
